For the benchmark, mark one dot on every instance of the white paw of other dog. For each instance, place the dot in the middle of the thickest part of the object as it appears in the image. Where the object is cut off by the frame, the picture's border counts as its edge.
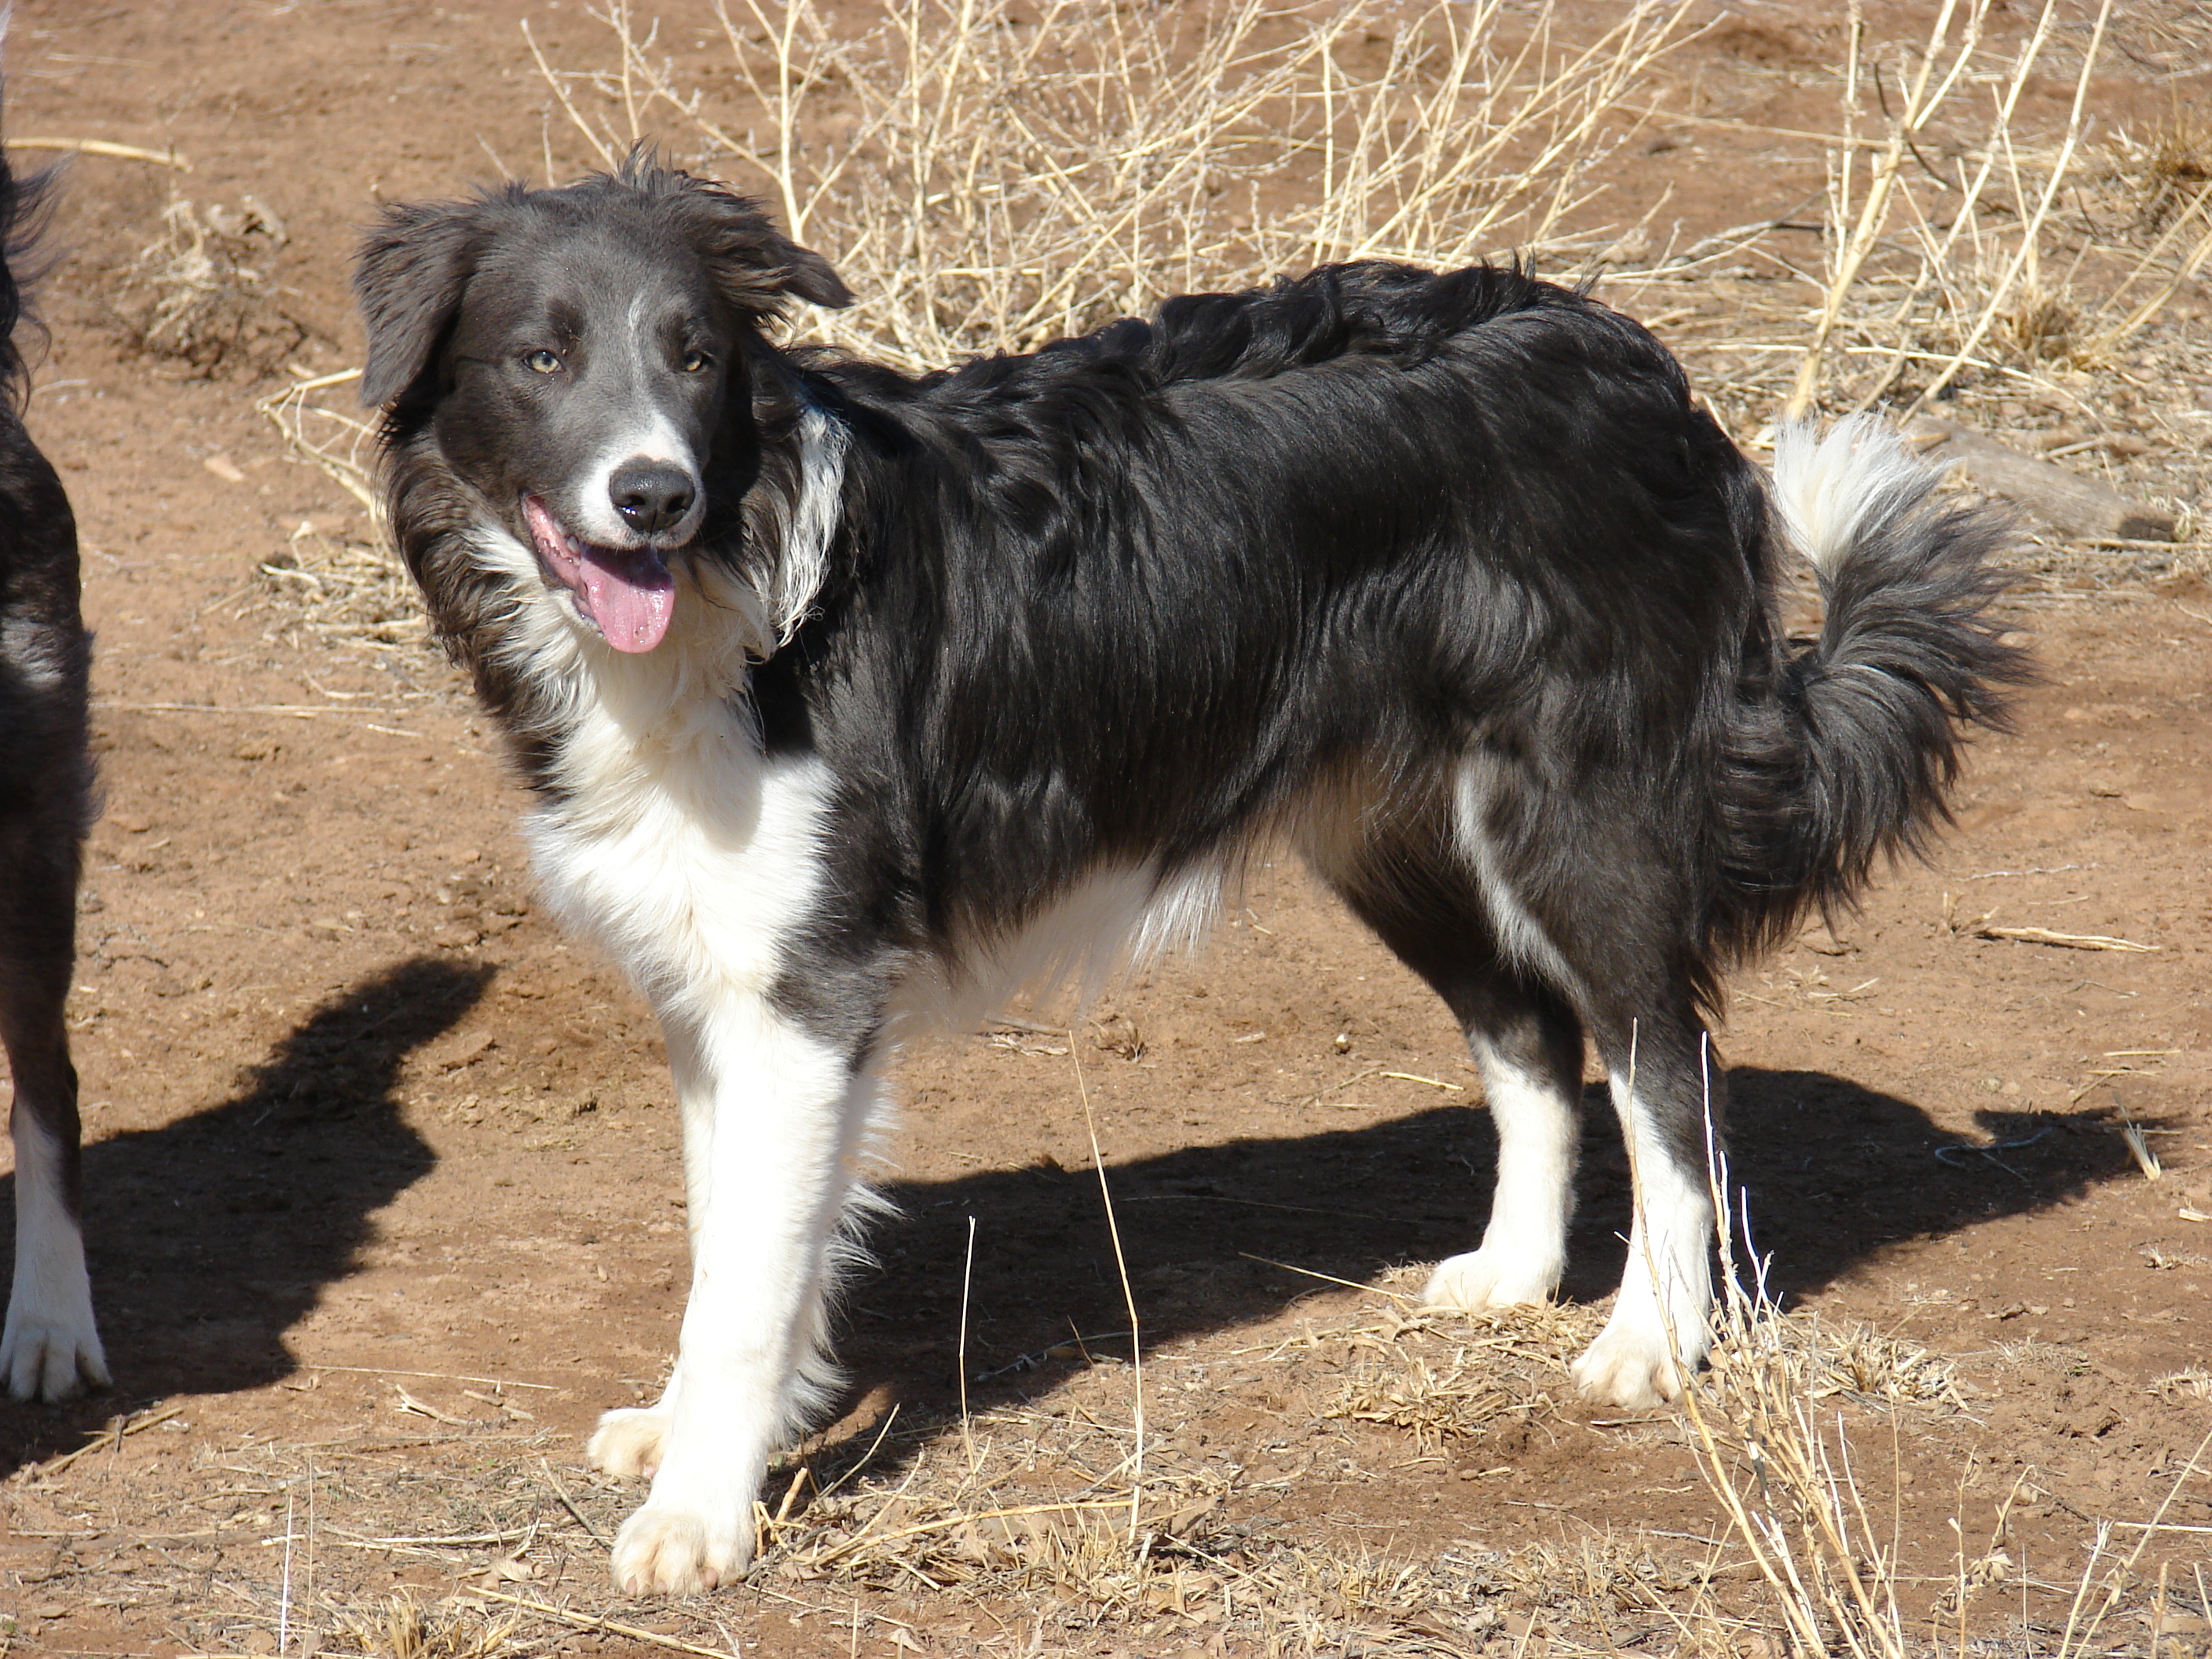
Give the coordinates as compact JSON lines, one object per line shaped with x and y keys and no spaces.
{"x":1629,"y":1367}
{"x":51,"y":1356}
{"x":671,"y":1549}
{"x":1490,"y":1278}
{"x":627,"y":1442}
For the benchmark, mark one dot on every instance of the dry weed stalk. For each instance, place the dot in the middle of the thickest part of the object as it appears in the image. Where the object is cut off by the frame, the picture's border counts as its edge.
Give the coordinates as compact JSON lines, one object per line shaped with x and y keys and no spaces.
{"x":988,"y":185}
{"x":1942,"y":262}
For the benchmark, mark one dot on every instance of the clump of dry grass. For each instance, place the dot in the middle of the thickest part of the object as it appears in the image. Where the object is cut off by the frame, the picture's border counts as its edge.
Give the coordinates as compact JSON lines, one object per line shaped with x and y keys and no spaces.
{"x":349,"y":589}
{"x":404,"y":1628}
{"x":2172,"y":169}
{"x":346,"y":590}
{"x":203,"y":293}
{"x":1441,"y":1376}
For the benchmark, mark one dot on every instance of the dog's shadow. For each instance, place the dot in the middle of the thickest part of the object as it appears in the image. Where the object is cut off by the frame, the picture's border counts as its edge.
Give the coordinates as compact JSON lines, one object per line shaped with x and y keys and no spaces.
{"x":209,"y":1236}
{"x":1831,"y":1174}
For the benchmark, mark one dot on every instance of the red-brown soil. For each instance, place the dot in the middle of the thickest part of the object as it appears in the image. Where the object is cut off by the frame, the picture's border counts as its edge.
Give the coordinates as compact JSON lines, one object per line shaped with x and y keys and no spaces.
{"x":382,"y":1183}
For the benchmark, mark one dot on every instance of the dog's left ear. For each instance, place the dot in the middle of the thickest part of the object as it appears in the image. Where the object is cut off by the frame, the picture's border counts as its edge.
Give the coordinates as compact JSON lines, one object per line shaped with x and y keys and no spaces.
{"x":756,"y":266}
{"x":415,"y":264}
{"x":809,"y":275}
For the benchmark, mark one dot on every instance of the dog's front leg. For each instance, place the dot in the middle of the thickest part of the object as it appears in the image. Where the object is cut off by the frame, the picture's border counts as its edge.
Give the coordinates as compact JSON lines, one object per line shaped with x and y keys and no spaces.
{"x":50,"y":1348}
{"x":773,"y":1120}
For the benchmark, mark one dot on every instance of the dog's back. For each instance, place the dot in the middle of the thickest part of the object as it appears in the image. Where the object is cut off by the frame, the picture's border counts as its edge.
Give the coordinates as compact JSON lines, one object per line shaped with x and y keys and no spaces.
{"x":51,"y":1346}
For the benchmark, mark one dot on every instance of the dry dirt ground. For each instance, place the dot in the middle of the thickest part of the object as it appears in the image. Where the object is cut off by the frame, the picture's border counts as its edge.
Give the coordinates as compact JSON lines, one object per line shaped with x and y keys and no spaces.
{"x":381,"y":1181}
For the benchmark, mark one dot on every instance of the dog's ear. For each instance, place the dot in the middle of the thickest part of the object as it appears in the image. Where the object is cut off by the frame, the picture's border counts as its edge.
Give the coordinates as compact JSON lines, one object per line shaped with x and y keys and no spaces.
{"x":756,"y":266}
{"x":808,"y":275}
{"x":414,"y":264}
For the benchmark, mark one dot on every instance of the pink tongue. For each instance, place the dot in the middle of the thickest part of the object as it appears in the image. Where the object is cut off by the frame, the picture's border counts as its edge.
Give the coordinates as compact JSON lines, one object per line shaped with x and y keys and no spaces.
{"x":630,"y":595}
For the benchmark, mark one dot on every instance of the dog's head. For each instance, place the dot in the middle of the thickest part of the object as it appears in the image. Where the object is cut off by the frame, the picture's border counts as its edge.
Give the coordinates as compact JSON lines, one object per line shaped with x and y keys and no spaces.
{"x":585,"y":357}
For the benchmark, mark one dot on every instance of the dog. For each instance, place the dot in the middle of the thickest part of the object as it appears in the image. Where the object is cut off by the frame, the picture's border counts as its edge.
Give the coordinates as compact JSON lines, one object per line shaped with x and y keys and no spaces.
{"x":50,"y":1348}
{"x":850,"y":700}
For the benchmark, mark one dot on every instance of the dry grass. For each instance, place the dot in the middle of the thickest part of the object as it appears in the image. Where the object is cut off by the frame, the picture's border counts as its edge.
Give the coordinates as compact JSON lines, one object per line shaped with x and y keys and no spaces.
{"x":988,"y":185}
{"x":1017,"y":1531}
{"x":2171,"y":169}
{"x":1030,"y":1507}
{"x":1972,"y":262}
{"x":1783,"y":1468}
{"x":2021,"y":275}
{"x":405,"y":1629}
{"x":350,"y":590}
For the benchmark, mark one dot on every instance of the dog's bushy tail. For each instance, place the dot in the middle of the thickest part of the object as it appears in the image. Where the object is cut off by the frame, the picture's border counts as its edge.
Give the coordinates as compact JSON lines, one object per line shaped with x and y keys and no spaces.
{"x":1843,"y":757}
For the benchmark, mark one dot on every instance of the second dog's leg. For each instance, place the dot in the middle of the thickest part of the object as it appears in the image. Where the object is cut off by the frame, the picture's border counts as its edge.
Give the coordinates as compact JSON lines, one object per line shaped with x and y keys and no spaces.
{"x":774,"y":1122}
{"x":51,"y":1347}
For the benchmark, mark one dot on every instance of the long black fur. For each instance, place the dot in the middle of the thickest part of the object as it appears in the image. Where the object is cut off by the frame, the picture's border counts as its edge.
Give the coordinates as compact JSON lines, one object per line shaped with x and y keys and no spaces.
{"x":45,"y":808}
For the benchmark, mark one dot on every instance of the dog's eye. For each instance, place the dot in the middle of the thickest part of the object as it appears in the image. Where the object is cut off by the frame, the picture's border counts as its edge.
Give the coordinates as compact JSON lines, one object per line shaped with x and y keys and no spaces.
{"x":696,"y":362}
{"x":544,"y":361}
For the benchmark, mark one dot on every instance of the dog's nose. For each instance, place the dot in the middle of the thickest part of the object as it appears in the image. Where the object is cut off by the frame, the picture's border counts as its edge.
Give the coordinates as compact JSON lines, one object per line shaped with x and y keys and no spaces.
{"x":650,"y":495}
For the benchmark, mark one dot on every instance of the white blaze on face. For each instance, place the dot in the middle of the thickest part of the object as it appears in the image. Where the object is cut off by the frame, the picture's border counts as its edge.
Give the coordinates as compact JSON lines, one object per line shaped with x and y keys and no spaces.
{"x":618,"y":574}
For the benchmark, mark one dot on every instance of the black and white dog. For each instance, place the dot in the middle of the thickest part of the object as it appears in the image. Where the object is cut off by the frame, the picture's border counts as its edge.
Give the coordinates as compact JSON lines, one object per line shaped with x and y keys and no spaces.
{"x":50,"y":1349}
{"x":851,"y":701}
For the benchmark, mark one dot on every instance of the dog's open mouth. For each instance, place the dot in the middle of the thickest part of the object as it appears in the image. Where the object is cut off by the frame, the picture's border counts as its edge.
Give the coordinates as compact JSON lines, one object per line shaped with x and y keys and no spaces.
{"x":626,"y":591}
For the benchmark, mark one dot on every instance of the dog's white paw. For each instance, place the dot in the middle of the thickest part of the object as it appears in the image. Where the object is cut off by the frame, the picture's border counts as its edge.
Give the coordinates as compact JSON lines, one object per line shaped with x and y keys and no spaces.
{"x":627,"y":1444}
{"x":667,"y":1550}
{"x":51,"y":1356}
{"x":1489,"y":1278}
{"x":1630,"y":1368}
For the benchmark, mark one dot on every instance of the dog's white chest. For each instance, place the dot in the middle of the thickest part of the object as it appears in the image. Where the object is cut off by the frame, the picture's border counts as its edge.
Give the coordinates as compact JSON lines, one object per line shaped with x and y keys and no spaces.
{"x":683,"y":848}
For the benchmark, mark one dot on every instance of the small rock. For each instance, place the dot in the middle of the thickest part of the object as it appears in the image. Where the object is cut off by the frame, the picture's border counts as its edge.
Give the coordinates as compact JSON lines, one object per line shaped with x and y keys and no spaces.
{"x":2125,"y":445}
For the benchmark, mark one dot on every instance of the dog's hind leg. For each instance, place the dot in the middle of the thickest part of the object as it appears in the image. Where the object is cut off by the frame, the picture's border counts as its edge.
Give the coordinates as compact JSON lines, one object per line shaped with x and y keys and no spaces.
{"x":1528,"y":1049}
{"x":1669,"y":1090}
{"x":1527,"y":1044}
{"x":774,"y":1121}
{"x":1587,"y":899}
{"x":50,"y":1349}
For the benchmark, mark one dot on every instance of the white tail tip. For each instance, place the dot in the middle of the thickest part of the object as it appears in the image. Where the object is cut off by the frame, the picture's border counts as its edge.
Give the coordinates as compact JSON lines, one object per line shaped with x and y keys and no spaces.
{"x":1834,"y":491}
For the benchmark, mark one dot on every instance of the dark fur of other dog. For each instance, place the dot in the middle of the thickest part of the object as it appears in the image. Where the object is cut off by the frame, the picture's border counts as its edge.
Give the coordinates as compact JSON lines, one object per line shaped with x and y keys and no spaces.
{"x":50,"y":1349}
{"x":850,"y":702}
